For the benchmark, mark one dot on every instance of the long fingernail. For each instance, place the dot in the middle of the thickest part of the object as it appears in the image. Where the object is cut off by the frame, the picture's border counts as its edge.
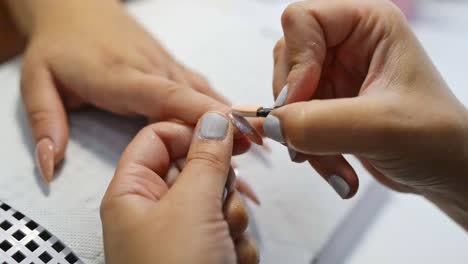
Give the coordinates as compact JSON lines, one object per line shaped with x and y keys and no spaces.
{"x":292,"y":154}
{"x":340,"y":186}
{"x":283,"y":95}
{"x":272,"y":128}
{"x":214,"y":126}
{"x":245,"y":127}
{"x":45,"y":159}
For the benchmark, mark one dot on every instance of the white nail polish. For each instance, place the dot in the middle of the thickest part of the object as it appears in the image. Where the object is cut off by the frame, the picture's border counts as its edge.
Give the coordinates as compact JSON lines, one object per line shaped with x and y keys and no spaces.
{"x":340,"y":186}
{"x":281,"y":99}
{"x":272,"y":128}
{"x":292,"y":154}
{"x":214,"y":126}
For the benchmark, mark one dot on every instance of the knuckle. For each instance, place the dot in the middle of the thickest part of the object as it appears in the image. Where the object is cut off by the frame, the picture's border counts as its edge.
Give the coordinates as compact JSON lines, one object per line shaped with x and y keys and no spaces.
{"x":39,"y":118}
{"x":292,"y":13}
{"x":208,"y":159}
{"x":201,"y":80}
{"x":171,"y":97}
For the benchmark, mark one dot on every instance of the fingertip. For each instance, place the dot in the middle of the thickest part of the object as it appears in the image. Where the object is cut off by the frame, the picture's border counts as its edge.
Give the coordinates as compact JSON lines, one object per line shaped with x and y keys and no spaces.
{"x":209,"y":157}
{"x":236,"y":214}
{"x":214,"y":125}
{"x":47,"y":117}
{"x":246,"y":250}
{"x":339,"y":174}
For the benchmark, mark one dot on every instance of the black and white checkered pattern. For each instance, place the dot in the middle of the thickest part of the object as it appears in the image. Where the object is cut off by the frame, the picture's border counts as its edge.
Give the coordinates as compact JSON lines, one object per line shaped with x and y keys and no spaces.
{"x":24,"y":241}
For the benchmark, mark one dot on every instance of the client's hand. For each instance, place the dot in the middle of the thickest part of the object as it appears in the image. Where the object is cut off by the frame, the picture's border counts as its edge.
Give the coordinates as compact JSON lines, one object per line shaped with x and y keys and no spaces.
{"x":145,"y":220}
{"x":359,"y":82}
{"x":91,"y":52}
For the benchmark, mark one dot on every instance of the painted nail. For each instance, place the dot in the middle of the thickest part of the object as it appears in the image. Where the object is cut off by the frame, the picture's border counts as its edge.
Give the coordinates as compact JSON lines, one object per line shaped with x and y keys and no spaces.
{"x":283,"y":95}
{"x":272,"y":128}
{"x":243,"y":125}
{"x":340,"y":186}
{"x":292,"y":154}
{"x":45,"y":159}
{"x":214,"y":126}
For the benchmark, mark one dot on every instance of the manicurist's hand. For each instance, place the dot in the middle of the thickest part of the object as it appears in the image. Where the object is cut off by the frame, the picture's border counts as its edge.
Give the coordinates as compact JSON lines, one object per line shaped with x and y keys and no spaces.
{"x":147,"y":220}
{"x":87,"y":52}
{"x":358,"y":81}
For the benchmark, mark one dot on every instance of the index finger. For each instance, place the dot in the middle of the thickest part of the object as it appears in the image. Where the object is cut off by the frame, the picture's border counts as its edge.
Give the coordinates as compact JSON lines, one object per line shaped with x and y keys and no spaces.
{"x":147,"y":159}
{"x":155,"y":97}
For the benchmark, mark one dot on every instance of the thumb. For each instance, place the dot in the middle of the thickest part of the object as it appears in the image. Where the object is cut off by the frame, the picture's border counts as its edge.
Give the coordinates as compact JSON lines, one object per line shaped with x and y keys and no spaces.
{"x":208,"y":162}
{"x":47,"y":117}
{"x":329,"y":127}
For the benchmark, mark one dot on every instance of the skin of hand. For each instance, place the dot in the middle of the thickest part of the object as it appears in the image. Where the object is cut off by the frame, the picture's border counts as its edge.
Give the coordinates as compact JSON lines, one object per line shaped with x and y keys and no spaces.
{"x":87,"y":52}
{"x":11,"y":39}
{"x":359,"y":82}
{"x":147,"y":220}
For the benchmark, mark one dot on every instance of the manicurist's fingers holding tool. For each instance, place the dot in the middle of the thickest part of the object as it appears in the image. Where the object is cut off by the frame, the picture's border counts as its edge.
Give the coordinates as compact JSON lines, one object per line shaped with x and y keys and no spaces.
{"x":351,"y":77}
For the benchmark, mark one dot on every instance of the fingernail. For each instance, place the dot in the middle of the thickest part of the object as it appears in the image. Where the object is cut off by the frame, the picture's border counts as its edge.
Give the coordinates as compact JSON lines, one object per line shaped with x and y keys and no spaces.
{"x":245,"y":127}
{"x":45,"y":159}
{"x":272,"y":128}
{"x":340,"y":186}
{"x":214,"y":126}
{"x":292,"y":154}
{"x":283,"y":95}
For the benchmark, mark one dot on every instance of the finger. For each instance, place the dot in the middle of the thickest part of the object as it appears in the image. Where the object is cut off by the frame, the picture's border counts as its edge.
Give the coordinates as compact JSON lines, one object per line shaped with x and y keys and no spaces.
{"x":177,"y":74}
{"x":338,"y":173}
{"x":236,"y":214}
{"x":46,"y":115}
{"x":335,"y":169}
{"x":155,"y":97}
{"x":208,"y":161}
{"x":146,"y":161}
{"x":232,"y":182}
{"x":245,"y":189}
{"x":312,"y":27}
{"x":328,"y":127}
{"x":172,"y":174}
{"x":200,"y":84}
{"x":246,"y":250}
{"x":305,"y":53}
{"x":281,"y":71}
